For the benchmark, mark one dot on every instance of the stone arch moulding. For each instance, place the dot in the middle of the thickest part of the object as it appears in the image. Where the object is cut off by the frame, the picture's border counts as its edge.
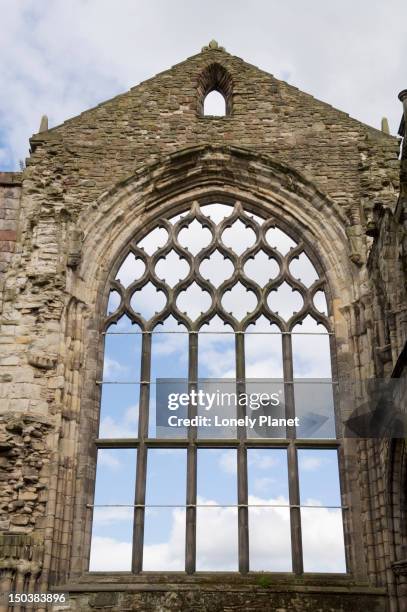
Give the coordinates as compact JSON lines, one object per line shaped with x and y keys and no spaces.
{"x":215,"y":78}
{"x":135,"y":204}
{"x":397,"y":504}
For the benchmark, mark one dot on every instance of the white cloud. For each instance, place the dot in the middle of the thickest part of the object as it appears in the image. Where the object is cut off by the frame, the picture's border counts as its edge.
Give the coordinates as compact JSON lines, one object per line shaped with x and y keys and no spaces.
{"x":109,"y":554}
{"x":131,"y":269}
{"x":263,"y":484}
{"x":310,"y":464}
{"x":60,"y":58}
{"x":239,"y":301}
{"x":228,"y":462}
{"x":216,"y":357}
{"x":170,"y":554}
{"x":110,"y":515}
{"x":107,"y":459}
{"x":194,"y":301}
{"x":112,"y":367}
{"x":171,"y":344}
{"x":216,"y":538}
{"x":322,"y":539}
{"x":261,"y":460}
{"x":120,"y":427}
{"x":269,"y":533}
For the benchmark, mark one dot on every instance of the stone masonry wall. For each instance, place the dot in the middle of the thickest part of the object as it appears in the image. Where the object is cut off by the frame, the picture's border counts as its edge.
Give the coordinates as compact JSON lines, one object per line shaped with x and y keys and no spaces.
{"x":83,"y":157}
{"x":80,"y":175}
{"x":10,"y":191}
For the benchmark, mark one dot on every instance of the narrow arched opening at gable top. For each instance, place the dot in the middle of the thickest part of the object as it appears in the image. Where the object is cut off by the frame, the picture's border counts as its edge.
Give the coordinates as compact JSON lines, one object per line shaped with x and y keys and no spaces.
{"x":214,"y":91}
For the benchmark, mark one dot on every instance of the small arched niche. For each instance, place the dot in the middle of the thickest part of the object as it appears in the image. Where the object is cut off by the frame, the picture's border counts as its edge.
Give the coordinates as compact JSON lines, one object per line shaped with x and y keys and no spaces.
{"x":215,"y":92}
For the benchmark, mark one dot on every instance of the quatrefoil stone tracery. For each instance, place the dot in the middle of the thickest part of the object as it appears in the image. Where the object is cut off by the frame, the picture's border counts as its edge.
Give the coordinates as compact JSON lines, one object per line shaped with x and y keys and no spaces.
{"x":260,"y":248}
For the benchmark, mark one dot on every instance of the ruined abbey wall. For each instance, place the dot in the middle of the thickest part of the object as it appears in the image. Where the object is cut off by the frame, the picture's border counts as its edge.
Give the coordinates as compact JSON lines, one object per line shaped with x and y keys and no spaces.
{"x":92,"y":183}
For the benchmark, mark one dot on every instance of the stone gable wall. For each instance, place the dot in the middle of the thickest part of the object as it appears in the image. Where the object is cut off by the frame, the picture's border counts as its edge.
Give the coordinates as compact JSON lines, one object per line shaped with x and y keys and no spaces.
{"x":86,"y":155}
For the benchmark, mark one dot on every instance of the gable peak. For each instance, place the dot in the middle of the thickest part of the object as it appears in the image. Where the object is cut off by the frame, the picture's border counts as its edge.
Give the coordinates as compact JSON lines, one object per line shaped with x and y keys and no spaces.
{"x":213,"y":46}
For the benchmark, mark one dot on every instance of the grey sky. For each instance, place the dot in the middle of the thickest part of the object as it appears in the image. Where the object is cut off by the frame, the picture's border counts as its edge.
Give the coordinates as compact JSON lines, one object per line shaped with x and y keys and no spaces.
{"x":60,"y":58}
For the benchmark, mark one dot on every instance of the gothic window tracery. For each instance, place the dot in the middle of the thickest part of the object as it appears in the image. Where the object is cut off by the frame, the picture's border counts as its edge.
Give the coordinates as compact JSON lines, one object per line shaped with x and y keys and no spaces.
{"x":217,"y":292}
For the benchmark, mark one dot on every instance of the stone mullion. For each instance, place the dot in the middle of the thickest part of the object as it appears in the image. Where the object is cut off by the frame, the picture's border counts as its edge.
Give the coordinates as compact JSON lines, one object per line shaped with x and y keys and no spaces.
{"x":140,"y":493}
{"x":190,"y":539}
{"x":242,"y":487}
{"x":293,"y":479}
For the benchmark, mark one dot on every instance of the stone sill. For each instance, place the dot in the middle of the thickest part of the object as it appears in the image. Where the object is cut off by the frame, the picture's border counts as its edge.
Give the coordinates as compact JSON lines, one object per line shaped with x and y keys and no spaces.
{"x":279,"y":583}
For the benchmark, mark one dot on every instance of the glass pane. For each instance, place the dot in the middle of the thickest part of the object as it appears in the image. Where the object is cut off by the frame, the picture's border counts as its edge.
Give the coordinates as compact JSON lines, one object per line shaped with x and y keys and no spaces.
{"x":112,"y":527}
{"x":216,"y":539}
{"x":119,"y":411}
{"x":322,"y":540}
{"x":164,"y":539}
{"x":319,"y":477}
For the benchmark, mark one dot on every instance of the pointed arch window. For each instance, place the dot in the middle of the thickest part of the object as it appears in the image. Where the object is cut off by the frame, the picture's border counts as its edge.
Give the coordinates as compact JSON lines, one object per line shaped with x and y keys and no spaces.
{"x":215,"y":89}
{"x":217,"y":292}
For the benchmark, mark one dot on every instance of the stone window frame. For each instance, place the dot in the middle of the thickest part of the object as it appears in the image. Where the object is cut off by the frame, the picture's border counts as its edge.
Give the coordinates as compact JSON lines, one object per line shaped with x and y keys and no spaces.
{"x":215,"y":77}
{"x":142,"y":443}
